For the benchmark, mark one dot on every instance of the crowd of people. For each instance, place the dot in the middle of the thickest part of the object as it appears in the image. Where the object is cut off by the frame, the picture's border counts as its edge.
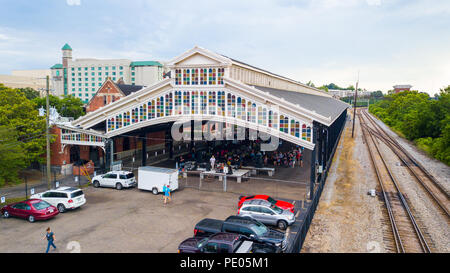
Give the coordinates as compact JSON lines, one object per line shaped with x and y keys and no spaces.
{"x":244,"y":154}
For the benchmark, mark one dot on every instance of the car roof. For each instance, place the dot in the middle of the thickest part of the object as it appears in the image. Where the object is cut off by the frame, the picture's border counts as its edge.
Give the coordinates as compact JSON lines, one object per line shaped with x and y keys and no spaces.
{"x":119,"y":172}
{"x":257,"y":202}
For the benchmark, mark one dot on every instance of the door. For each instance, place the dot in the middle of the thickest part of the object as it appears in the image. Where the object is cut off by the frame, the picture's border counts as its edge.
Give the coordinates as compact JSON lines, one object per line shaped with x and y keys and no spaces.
{"x":255,"y":213}
{"x":20,"y":210}
{"x":267,"y":216}
{"x":49,"y":197}
{"x":109,"y":180}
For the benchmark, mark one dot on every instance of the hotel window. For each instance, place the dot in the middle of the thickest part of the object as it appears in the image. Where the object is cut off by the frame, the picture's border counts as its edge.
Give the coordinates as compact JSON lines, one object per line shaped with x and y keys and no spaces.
{"x":194,"y":76}
{"x":73,"y":69}
{"x":106,"y":67}
{"x":143,"y":112}
{"x":186,"y":76}
{"x":132,"y":73}
{"x":114,"y":78}
{"x":114,"y":73}
{"x":92,"y":73}
{"x":73,"y":79}
{"x":132,"y":79}
{"x":99,"y":84}
{"x":126,"y":118}
{"x":93,"y":89}
{"x":79,"y":84}
{"x":106,"y":73}
{"x":79,"y":68}
{"x":79,"y":79}
{"x":212,"y":76}
{"x":73,"y":74}
{"x":93,"y":79}
{"x":79,"y":74}
{"x":132,"y":68}
{"x":203,"y":76}
{"x":119,"y":121}
{"x":99,"y":68}
{"x":99,"y":73}
{"x":92,"y":68}
{"x":86,"y":79}
{"x":85,"y":69}
{"x":134,"y":116}
{"x":86,"y":84}
{"x":177,"y":76}
{"x":121,"y":67}
{"x":241,"y":108}
{"x":100,"y":79}
{"x":121,"y":73}
{"x":85,"y":73}
{"x":113,"y":68}
{"x":284,"y":124}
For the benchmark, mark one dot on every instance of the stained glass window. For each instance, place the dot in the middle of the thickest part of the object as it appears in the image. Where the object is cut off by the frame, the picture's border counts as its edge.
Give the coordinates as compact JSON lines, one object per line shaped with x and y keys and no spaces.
{"x":186,"y":103}
{"x":284,"y":124}
{"x":143,"y":112}
{"x":292,"y":127}
{"x":304,"y":131}
{"x":151,"y":109}
{"x":134,"y":115}
{"x":203,"y":76}
{"x":194,"y":102}
{"x":203,"y":102}
{"x":212,"y":102}
{"x":111,"y":124}
{"x":186,"y":76}
{"x":212,"y":76}
{"x":249,"y":111}
{"x":231,"y":103}
{"x":308,"y":133}
{"x":160,"y":107}
{"x":119,"y":121}
{"x":194,"y":72}
{"x":221,"y":103}
{"x":220,"y":72}
{"x":169,"y":104}
{"x":178,"y":105}
{"x":126,"y":119}
{"x":297,"y":129}
{"x":253,"y":114}
{"x":177,"y":76}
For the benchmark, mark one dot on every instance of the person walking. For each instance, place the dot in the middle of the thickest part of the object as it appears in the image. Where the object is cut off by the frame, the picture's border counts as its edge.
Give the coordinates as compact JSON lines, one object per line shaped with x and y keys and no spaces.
{"x":166,"y":190}
{"x":50,"y":236}
{"x":213,"y":162}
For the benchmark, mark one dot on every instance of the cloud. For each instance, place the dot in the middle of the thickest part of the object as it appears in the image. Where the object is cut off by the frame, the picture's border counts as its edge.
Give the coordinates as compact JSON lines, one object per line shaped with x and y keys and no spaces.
{"x":373,"y":2}
{"x":73,"y":2}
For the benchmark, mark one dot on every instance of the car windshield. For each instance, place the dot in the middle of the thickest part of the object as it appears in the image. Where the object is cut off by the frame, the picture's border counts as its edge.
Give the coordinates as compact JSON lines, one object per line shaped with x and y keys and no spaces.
{"x":271,"y":200}
{"x":277,"y":209}
{"x":76,"y":194}
{"x":41,"y":205}
{"x":202,"y":242}
{"x":259,"y":229}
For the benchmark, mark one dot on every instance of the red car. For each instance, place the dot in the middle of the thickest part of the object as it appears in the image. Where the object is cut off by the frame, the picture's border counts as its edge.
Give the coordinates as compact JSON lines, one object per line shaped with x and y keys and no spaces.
{"x":281,"y":204}
{"x":32,"y":210}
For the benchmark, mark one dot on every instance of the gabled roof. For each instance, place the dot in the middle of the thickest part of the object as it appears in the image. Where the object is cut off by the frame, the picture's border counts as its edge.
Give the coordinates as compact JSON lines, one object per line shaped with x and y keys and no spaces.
{"x":57,"y":66}
{"x":127,"y":89}
{"x":66,"y":47}
{"x":145,"y":63}
{"x":324,"y":106}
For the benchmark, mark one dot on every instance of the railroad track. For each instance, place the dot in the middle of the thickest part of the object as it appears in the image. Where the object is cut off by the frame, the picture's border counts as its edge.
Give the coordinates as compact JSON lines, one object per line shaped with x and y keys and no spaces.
{"x":406,"y":233}
{"x":432,"y":187}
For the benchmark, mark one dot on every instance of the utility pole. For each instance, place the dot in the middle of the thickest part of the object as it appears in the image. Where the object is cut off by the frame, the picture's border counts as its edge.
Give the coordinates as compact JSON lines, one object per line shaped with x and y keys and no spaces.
{"x":49,"y":180}
{"x":354,"y":105}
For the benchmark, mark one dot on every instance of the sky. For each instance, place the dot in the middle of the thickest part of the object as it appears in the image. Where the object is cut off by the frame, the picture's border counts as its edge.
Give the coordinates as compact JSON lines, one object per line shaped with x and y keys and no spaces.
{"x":387,"y":42}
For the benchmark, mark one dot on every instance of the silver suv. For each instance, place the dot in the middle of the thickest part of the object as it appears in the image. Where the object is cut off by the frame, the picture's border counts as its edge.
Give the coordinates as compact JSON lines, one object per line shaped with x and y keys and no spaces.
{"x":267,"y":213}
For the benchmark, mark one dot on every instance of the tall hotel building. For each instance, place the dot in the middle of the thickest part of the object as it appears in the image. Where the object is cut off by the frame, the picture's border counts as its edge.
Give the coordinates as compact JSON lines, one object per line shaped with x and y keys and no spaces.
{"x":82,"y":78}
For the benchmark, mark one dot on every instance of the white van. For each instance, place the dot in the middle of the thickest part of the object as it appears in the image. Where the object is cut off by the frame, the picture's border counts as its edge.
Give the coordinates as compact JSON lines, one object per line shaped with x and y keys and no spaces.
{"x":154,"y":178}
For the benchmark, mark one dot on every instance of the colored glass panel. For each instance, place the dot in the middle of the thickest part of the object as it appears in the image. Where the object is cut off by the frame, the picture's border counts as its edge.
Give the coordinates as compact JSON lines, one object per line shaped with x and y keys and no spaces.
{"x":178,"y":76}
{"x":169,"y":104}
{"x":126,"y":119}
{"x":231,"y":103}
{"x":212,"y":102}
{"x":151,"y":109}
{"x":186,"y":103}
{"x":221,"y":103}
{"x":194,"y":102}
{"x":160,"y":107}
{"x":194,"y":74}
{"x":178,"y":105}
{"x":203,"y":76}
{"x":203,"y":102}
{"x":220,"y":72}
{"x":186,"y":76}
{"x":212,"y":76}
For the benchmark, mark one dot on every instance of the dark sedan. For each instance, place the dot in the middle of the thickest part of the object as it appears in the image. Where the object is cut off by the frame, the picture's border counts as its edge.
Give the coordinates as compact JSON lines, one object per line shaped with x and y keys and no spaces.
{"x":32,"y":210}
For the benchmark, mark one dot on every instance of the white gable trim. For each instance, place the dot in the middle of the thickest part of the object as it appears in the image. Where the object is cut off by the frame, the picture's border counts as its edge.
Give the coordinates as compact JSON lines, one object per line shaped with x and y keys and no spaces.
{"x":198,"y":50}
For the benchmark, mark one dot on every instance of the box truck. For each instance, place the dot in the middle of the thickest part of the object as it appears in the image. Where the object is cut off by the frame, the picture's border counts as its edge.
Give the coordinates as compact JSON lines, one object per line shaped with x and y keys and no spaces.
{"x":154,"y":178}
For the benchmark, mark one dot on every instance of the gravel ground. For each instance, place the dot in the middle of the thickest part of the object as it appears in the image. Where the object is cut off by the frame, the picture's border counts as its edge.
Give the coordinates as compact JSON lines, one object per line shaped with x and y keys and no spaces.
{"x":432,"y":222}
{"x":347,"y":219}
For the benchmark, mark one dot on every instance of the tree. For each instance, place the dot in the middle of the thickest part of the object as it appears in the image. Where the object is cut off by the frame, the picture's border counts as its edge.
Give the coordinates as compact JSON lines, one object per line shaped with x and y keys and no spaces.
{"x":67,"y":107}
{"x":29,"y":93}
{"x":20,"y":114}
{"x":12,"y":157}
{"x":310,"y":83}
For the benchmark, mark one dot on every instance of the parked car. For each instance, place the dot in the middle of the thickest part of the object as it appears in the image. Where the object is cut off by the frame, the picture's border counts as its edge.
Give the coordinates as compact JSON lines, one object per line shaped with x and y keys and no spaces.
{"x":31,"y":209}
{"x":281,"y":204}
{"x":249,"y":227}
{"x":223,"y":242}
{"x":63,"y":198}
{"x":115,"y":179}
{"x":267,"y":213}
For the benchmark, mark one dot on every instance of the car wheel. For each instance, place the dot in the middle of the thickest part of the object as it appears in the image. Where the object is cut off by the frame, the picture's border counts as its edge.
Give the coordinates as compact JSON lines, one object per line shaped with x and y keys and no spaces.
{"x":31,"y":218}
{"x":61,"y":208}
{"x":282,"y":224}
{"x":96,"y":184}
{"x":6,"y":214}
{"x":155,"y":191}
{"x":118,"y":186}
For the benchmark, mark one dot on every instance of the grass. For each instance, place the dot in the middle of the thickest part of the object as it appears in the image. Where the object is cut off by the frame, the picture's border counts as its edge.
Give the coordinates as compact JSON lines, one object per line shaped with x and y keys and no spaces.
{"x":12,"y":200}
